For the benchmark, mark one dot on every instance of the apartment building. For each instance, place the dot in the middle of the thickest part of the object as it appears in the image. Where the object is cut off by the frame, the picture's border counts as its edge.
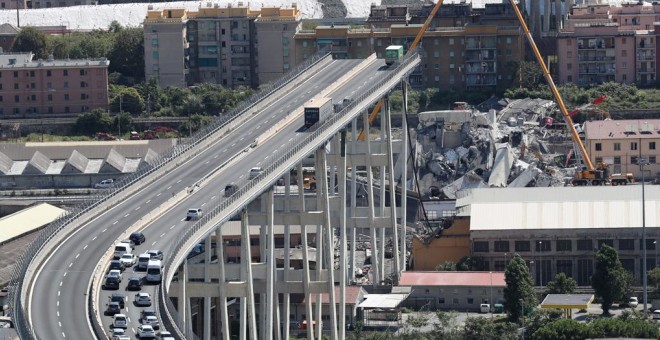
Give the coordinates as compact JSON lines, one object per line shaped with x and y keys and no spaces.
{"x":219,"y":45}
{"x":51,"y":86}
{"x":621,"y":143}
{"x":471,"y":57}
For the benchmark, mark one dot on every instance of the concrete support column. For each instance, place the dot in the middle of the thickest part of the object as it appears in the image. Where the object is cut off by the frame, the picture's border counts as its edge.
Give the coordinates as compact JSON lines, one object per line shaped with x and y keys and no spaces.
{"x":305,"y":255}
{"x":270,"y":274}
{"x":354,"y":136}
{"x":222,"y":297}
{"x":181,"y":301}
{"x":390,"y":171}
{"x":382,"y":196}
{"x":343,"y":230}
{"x":404,"y":176}
{"x":246,"y":275}
{"x":547,"y":9}
{"x":321,"y":173}
{"x":207,"y":300}
{"x":329,"y":246}
{"x":375,"y":265}
{"x":286,"y":298}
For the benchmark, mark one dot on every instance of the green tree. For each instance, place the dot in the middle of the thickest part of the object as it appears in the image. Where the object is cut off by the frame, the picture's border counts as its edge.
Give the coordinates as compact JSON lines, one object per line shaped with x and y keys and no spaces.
{"x":126,"y":99}
{"x":653,"y":276}
{"x":127,"y":53}
{"x":193,"y":105}
{"x":530,"y":74}
{"x":447,"y":266}
{"x":618,"y":328}
{"x":609,"y":278}
{"x":484,"y":328}
{"x":30,"y":39}
{"x":92,"y":122}
{"x":446,"y":327}
{"x":123,"y":122}
{"x":470,"y":263}
{"x":562,"y":284}
{"x":519,"y":290}
{"x":565,"y":329}
{"x":540,"y":318}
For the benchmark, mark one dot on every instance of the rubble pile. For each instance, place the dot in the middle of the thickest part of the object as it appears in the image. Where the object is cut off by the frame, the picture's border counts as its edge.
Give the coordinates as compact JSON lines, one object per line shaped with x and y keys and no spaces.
{"x":519,"y":146}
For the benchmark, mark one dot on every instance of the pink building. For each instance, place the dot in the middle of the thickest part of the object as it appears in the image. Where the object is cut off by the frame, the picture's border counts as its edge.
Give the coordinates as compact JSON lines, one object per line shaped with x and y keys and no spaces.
{"x":50,"y":86}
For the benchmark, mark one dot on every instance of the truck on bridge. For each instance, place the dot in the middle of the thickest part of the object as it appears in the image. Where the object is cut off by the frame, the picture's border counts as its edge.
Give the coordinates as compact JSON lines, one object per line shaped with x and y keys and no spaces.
{"x":393,"y":54}
{"x":317,"y":110}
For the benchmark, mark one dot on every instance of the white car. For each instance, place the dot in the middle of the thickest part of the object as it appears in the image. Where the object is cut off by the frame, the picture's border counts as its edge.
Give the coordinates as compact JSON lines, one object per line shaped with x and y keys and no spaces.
{"x":633,"y":302}
{"x":115,"y":273}
{"x":118,"y":333}
{"x":106,"y":183}
{"x":146,"y":331}
{"x":164,"y":335}
{"x":193,"y":214}
{"x":120,"y":321}
{"x":152,"y":321}
{"x":128,"y":259}
{"x":656,"y":314}
{"x":142,"y":299}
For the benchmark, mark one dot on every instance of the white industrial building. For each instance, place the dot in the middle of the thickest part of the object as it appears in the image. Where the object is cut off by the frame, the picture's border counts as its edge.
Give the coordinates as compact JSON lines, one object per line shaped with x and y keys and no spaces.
{"x":560,"y":229}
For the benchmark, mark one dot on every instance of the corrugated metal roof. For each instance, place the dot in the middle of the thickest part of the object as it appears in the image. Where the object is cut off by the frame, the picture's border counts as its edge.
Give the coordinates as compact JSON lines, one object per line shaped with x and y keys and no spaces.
{"x":385,"y":301}
{"x":27,"y":220}
{"x":561,"y":208}
{"x":452,"y":279}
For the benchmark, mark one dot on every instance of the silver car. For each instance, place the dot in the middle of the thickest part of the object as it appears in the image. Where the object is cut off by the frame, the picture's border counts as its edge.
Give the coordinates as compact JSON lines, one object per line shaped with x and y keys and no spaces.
{"x":142,"y":299}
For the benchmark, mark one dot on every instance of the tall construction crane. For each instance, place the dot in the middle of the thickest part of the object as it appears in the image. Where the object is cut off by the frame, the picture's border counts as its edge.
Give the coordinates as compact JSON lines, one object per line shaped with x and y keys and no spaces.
{"x":410,"y":51}
{"x":591,"y":175}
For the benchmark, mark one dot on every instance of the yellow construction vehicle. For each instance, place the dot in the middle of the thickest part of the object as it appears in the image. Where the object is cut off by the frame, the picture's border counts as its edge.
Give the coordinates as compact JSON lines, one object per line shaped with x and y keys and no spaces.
{"x":589,"y":174}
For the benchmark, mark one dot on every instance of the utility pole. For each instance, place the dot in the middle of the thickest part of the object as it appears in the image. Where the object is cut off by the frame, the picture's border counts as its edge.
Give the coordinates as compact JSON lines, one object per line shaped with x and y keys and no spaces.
{"x":121,"y":99}
{"x":18,"y":17}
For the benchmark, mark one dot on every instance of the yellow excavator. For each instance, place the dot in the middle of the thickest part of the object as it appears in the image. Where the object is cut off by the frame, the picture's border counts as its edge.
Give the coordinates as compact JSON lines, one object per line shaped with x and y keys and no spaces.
{"x":589,"y":174}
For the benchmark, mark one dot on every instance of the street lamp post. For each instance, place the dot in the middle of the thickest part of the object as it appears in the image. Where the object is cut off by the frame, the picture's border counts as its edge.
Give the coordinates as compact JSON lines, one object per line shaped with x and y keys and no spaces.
{"x":655,"y":246}
{"x":540,"y":263}
{"x":642,"y":162}
{"x":492,"y":304}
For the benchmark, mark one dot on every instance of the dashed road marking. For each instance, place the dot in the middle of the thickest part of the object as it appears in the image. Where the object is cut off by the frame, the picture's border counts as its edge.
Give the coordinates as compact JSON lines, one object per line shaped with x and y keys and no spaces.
{"x":207,"y":162}
{"x":103,"y":231}
{"x":148,"y":201}
{"x":172,"y":227}
{"x":233,"y":144}
{"x":58,"y":312}
{"x":170,"y":187}
{"x":94,"y":238}
{"x":78,"y":255}
{"x":213,"y":197}
{"x":85,"y":247}
{"x":138,"y":208}
{"x":160,"y":193}
{"x":153,"y":244}
{"x":65,"y":274}
{"x":127,"y":215}
{"x":115,"y":222}
{"x":63,"y":335}
{"x":61,"y":283}
{"x":58,"y":304}
{"x":161,"y":235}
{"x":59,"y":293}
{"x":70,"y":264}
{"x":216,"y":156}
{"x":203,"y":204}
{"x":59,"y":322}
{"x":179,"y":181}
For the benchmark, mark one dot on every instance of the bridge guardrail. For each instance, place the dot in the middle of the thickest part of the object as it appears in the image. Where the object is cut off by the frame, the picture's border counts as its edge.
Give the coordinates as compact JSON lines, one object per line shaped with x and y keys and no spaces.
{"x":17,"y":293}
{"x":170,"y":317}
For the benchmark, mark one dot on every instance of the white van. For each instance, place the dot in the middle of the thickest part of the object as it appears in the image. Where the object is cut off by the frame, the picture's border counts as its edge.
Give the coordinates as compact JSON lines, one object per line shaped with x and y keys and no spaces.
{"x":143,"y":261}
{"x":484,"y":308}
{"x":121,"y":249}
{"x":255,"y":172}
{"x":154,"y":271}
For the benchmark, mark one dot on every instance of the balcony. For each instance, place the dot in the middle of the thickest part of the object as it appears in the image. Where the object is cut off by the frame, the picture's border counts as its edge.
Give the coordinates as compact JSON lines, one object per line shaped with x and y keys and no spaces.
{"x":597,"y":70}
{"x":645,"y":57}
{"x":646,"y":70}
{"x":586,"y":59}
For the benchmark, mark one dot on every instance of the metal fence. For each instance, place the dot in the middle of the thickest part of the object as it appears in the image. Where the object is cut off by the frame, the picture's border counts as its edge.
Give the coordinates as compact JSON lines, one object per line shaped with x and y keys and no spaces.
{"x":17,"y":310}
{"x":169,"y":315}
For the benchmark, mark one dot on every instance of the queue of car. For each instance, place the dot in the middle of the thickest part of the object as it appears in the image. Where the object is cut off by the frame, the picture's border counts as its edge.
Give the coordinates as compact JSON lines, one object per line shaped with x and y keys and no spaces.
{"x":123,"y":260}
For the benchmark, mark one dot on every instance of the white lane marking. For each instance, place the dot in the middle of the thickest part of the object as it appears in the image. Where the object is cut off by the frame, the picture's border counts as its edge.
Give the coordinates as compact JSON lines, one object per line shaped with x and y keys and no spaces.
{"x":183,"y":219}
{"x":283,"y":145}
{"x":213,"y":197}
{"x":161,"y":235}
{"x":170,"y":187}
{"x":138,"y":208}
{"x":115,"y":222}
{"x":203,"y":204}
{"x":259,"y":163}
{"x":77,"y":256}
{"x":160,"y":193}
{"x":126,"y":308}
{"x":148,"y":201}
{"x":225,"y":150}
{"x":85,"y":247}
{"x":127,"y":215}
{"x":60,"y":322}
{"x":207,"y":162}
{"x":70,"y":264}
{"x":241,"y":176}
{"x":65,"y":274}
{"x":172,"y":227}
{"x":242,"y":138}
{"x":58,"y":313}
{"x":59,"y":292}
{"x":153,"y":244}
{"x":179,"y":181}
{"x":63,"y":335}
{"x":61,"y":283}
{"x":133,"y":329}
{"x":94,"y":238}
{"x":58,"y":304}
{"x":129,"y":319}
{"x":103,"y":231}
{"x":290,"y":139}
{"x":233,"y":144}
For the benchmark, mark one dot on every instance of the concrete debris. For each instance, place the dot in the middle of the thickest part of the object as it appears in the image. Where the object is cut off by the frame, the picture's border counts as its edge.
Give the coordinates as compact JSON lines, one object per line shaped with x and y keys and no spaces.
{"x":462,"y":149}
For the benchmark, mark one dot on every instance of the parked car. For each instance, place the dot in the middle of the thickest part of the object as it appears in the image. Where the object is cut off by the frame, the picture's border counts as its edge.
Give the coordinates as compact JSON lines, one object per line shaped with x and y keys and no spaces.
{"x":155,"y":254}
{"x":106,"y":183}
{"x":113,"y":308}
{"x":134,"y":283}
{"x":120,"y":321}
{"x":146,"y":331}
{"x":633,"y":302}
{"x":656,"y":314}
{"x":194,"y":214}
{"x":143,"y":299}
{"x":484,"y":308}
{"x":119,"y":298}
{"x":128,"y":260}
{"x":137,"y":237}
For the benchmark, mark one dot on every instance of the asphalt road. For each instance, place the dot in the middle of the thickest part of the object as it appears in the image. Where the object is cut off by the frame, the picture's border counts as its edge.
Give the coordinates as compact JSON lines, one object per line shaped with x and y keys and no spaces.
{"x":58,"y":307}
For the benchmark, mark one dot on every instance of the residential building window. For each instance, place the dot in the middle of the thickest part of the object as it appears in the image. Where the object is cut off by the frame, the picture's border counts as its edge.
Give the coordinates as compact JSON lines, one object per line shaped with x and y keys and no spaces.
{"x":599,"y":160}
{"x":624,"y":77}
{"x":455,"y":301}
{"x":522,"y":246}
{"x":569,"y":54}
{"x":651,"y":145}
{"x":83,"y":96}
{"x":83,"y":84}
{"x":542,"y":245}
{"x":624,"y":65}
{"x":285,"y":66}
{"x":65,"y":73}
{"x":649,"y":244}
{"x":585,"y":268}
{"x":651,"y":159}
{"x":565,"y":266}
{"x":624,"y":53}
{"x":66,"y":96}
{"x":569,"y":78}
{"x":82,"y":72}
{"x":626,"y":244}
{"x":154,"y":41}
{"x":509,"y":52}
{"x":508,"y":40}
{"x":16,"y":86}
{"x":67,"y":109}
{"x":436,"y":54}
{"x":633,"y":145}
{"x":154,"y":54}
{"x":17,"y":111}
{"x":564,"y":245}
{"x":31,"y":73}
{"x":633,"y":159}
{"x":451,"y":41}
{"x":470,"y":301}
{"x":451,"y":66}
{"x":609,"y":242}
{"x":500,"y":266}
{"x":481,"y":246}
{"x":441,"y":301}
{"x":501,"y":246}
{"x":285,"y":52}
{"x":436,"y":66}
{"x":585,"y":245}
{"x":599,"y":147}
{"x":0,"y":98}
{"x":617,"y":146}
{"x":15,"y":74}
{"x":66,"y":84}
{"x":17,"y":99}
{"x":451,"y":54}
{"x":569,"y":66}
{"x":285,"y":41}
{"x":50,"y":97}
{"x":436,"y":41}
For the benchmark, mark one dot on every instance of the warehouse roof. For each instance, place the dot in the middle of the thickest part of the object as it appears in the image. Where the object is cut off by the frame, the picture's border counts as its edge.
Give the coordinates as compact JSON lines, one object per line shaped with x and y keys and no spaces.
{"x":560,"y":208}
{"x":385,"y":301}
{"x":468,"y":279}
{"x":27,"y":220}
